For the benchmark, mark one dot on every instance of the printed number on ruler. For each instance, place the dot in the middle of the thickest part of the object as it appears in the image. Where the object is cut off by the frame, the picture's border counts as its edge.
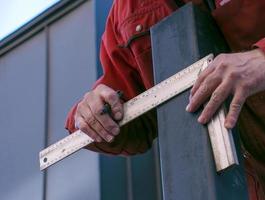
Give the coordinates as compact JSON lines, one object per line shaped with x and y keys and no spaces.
{"x":135,"y":107}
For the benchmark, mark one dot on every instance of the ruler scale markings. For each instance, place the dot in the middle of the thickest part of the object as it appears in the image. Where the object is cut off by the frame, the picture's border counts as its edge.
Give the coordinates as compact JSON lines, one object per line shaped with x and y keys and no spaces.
{"x":176,"y":87}
{"x":133,"y":108}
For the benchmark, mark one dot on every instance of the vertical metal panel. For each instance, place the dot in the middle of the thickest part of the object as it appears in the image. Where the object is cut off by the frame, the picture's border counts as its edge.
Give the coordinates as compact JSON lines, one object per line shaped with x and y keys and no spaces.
{"x":144,"y":176}
{"x":187,"y":165}
{"x":157,"y":170}
{"x":113,"y":178}
{"x":22,"y":114}
{"x":102,"y":8}
{"x":72,"y":72}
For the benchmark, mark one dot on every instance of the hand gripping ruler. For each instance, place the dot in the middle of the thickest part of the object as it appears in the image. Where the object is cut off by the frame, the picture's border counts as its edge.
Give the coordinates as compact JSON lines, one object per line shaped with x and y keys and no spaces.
{"x":221,"y":138}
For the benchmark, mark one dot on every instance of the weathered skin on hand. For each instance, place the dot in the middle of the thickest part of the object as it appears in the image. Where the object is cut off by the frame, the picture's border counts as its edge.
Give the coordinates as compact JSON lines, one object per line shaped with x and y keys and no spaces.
{"x":89,"y":117}
{"x":238,"y":74}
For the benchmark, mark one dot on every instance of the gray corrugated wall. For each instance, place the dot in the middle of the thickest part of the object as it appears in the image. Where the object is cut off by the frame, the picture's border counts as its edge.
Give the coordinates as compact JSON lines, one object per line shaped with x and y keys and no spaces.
{"x":72,"y":72}
{"x":66,"y":50}
{"x":22,"y":113}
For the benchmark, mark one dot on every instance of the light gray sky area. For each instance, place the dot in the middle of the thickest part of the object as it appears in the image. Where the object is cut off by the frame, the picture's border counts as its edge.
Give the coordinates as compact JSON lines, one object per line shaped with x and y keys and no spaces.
{"x":15,"y":13}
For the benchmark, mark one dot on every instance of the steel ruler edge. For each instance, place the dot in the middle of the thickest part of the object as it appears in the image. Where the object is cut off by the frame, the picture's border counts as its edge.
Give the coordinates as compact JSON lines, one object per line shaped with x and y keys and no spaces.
{"x":221,"y":139}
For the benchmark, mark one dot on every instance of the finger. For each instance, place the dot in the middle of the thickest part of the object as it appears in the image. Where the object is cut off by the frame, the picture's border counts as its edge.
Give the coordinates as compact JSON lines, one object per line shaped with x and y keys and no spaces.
{"x":95,"y":104}
{"x":111,"y":97}
{"x":202,"y":75}
{"x":234,"y":109}
{"x":216,"y":100}
{"x":84,"y":127}
{"x":203,"y":93}
{"x":94,"y":124}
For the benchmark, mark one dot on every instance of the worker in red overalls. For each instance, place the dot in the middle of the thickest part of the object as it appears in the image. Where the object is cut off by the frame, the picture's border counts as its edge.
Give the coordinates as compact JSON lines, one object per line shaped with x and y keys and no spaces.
{"x":126,"y":58}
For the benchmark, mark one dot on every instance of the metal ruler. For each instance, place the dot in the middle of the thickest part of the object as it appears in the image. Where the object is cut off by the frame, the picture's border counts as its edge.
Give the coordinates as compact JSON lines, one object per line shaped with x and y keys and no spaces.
{"x":221,"y":138}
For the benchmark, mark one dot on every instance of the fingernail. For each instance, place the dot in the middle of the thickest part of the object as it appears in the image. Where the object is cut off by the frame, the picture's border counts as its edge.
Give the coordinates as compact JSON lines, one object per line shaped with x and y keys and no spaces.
{"x":201,"y":120}
{"x":115,"y":131}
{"x":109,"y":138}
{"x":190,"y":97}
{"x":188,"y":108}
{"x":117,"y":115}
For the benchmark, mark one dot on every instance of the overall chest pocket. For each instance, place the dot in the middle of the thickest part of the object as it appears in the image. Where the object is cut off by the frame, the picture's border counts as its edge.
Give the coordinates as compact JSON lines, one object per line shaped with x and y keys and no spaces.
{"x":135,"y":36}
{"x":134,"y":29}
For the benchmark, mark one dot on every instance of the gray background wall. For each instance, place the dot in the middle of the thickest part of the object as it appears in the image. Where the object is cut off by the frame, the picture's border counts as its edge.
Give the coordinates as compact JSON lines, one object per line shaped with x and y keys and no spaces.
{"x":40,"y":79}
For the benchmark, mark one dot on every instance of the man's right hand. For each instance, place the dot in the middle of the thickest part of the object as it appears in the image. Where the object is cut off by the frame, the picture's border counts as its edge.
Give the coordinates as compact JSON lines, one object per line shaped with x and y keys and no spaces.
{"x":89,"y":117}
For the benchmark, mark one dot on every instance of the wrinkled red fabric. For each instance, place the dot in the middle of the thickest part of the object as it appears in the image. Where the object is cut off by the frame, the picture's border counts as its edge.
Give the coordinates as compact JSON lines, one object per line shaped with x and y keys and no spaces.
{"x":127,"y":64}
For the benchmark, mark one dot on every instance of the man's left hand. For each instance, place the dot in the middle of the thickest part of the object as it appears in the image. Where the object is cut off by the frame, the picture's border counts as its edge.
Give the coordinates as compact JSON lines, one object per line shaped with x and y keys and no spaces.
{"x":237,"y":74}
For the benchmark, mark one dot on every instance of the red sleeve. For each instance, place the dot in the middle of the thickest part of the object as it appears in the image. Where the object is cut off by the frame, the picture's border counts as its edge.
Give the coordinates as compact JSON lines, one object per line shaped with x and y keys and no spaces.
{"x":261,"y":44}
{"x":120,"y":73}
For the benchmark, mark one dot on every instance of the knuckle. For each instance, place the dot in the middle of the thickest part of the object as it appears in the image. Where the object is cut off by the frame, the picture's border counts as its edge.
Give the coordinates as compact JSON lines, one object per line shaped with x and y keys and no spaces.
{"x":100,"y":129}
{"x":214,"y":79}
{"x":112,"y":97}
{"x":100,"y":87}
{"x":204,"y":89}
{"x":80,"y":105}
{"x":82,"y":126}
{"x":234,"y":75}
{"x":199,"y":79}
{"x":222,"y":66}
{"x":96,"y":110}
{"x":91,"y":121}
{"x":195,"y":86}
{"x":216,"y":97}
{"x":117,"y":108}
{"x":221,"y":57}
{"x":117,"y":105}
{"x":87,"y":95}
{"x":235,"y":106}
{"x":221,"y":61}
{"x":78,"y":109}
